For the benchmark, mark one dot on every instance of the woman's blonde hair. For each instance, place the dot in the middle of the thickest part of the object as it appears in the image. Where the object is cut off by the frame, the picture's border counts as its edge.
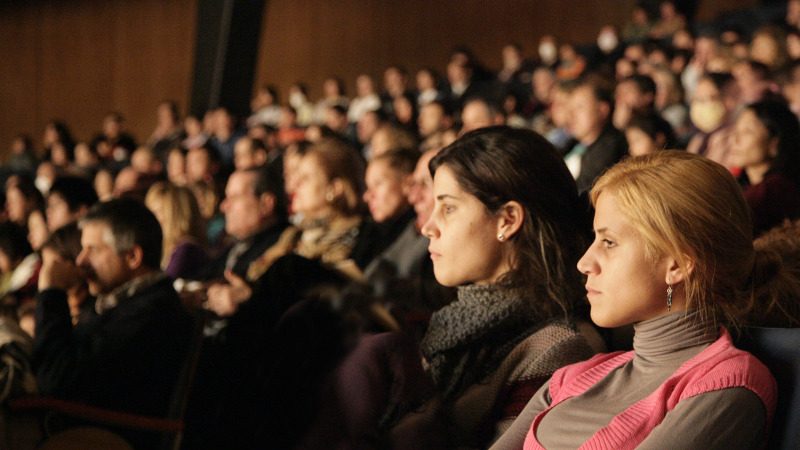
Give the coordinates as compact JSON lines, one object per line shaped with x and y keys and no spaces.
{"x":691,"y":209}
{"x":340,"y":161}
{"x":180,"y":214}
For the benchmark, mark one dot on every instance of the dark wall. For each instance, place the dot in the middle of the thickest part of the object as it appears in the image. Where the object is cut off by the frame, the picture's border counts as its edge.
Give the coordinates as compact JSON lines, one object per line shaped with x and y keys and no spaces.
{"x":79,"y":59}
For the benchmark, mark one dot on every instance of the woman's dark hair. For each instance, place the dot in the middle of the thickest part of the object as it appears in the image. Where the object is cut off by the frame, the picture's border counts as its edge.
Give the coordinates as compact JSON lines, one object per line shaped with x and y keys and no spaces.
{"x":24,"y":183}
{"x":64,"y":137}
{"x":782,"y":124}
{"x":500,"y":164}
{"x":652,"y":126}
{"x":720,"y":80}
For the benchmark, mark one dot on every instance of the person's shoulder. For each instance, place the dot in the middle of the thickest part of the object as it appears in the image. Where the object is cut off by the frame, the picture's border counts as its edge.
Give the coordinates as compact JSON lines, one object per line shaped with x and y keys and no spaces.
{"x":722,"y":366}
{"x":552,"y":346}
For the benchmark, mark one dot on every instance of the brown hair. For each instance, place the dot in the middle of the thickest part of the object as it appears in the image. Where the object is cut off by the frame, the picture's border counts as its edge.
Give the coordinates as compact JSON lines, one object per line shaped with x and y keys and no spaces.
{"x":340,"y":161}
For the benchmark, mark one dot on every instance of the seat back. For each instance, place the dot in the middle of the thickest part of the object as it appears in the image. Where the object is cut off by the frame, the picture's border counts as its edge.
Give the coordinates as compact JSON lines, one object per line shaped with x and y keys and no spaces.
{"x":779,"y":349}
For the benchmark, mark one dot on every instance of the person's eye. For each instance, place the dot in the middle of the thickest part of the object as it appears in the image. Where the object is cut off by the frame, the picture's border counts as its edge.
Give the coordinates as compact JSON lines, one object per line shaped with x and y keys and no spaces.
{"x":448,"y":209}
{"x":608,"y":243}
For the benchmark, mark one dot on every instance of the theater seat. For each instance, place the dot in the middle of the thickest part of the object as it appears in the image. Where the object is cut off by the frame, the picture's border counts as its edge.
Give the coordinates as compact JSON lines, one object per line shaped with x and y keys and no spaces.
{"x":85,"y":438}
{"x":779,"y":349}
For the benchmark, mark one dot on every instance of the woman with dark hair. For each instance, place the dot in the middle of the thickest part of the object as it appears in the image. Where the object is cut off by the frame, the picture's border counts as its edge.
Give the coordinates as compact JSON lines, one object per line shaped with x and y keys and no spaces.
{"x":765,"y":143}
{"x":22,"y":198}
{"x":506,"y":230}
{"x":57,"y":134}
{"x":507,"y":227}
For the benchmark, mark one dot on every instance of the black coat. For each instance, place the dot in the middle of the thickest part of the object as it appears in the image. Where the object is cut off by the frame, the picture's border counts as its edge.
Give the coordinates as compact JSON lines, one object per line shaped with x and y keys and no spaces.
{"x":126,"y":359}
{"x":609,"y":148}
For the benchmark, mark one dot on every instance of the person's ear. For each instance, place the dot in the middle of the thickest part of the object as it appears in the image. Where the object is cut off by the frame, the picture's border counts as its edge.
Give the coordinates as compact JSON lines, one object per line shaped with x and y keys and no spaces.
{"x":510,"y":217}
{"x":134,"y":257}
{"x":677,"y":274}
{"x":336,"y":187}
{"x":773,"y":148}
{"x":605,"y":109}
{"x":266,"y":204}
{"x":260,"y":157}
{"x":406,"y":184}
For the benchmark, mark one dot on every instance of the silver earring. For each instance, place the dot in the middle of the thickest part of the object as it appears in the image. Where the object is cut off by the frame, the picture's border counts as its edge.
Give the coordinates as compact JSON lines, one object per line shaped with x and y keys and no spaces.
{"x":669,"y":297}
{"x":501,"y":237}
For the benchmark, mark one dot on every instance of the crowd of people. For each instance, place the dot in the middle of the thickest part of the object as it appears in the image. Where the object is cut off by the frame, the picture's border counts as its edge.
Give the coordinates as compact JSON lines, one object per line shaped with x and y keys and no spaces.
{"x":410,"y":267}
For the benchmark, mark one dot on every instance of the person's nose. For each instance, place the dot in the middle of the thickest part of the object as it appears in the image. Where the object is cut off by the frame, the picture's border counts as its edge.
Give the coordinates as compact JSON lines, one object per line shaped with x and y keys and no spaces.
{"x":587,"y":264}
{"x":429,"y":229}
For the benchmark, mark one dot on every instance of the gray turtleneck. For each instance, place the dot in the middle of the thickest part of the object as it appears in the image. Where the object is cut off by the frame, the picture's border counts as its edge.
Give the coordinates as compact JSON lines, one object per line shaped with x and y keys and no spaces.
{"x":732,"y":418}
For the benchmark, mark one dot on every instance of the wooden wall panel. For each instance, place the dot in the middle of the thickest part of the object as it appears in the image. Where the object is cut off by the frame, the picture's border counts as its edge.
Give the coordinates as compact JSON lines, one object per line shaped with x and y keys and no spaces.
{"x":309,"y":39}
{"x":77,"y":60}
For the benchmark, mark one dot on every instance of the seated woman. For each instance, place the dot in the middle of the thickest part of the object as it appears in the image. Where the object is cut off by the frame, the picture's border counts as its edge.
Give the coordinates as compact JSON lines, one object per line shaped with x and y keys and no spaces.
{"x":711,"y":111}
{"x":676,"y":263}
{"x":764,"y":145}
{"x":507,"y":225}
{"x":327,"y":195}
{"x":177,"y":211}
{"x":388,"y":179}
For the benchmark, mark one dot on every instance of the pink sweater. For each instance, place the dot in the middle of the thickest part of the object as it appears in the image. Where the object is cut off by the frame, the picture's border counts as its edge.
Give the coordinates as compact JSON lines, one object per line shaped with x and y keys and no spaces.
{"x":720,"y":366}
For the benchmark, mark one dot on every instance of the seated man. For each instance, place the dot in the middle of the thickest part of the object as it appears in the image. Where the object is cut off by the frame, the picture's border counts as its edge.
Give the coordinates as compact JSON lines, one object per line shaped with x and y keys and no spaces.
{"x":128,"y":357}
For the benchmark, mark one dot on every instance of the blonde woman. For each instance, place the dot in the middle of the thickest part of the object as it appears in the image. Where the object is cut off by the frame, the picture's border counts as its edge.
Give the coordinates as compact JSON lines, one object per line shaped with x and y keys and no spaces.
{"x":177,"y":211}
{"x":672,"y":255}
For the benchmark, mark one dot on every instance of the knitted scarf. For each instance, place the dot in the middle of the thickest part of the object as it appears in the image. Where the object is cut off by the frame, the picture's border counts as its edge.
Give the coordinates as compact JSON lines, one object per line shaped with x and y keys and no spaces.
{"x":467,"y":339}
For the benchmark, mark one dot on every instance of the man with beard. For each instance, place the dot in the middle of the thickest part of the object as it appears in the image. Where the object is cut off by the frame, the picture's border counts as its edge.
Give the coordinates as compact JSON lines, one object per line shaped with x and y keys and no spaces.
{"x":128,"y":357}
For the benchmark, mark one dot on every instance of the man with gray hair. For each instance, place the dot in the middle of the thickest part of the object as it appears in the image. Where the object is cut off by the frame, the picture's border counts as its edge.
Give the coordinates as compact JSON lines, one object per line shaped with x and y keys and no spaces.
{"x":127,"y":357}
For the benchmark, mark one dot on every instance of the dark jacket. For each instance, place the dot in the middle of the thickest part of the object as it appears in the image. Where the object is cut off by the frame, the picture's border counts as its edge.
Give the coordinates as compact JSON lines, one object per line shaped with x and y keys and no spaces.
{"x":126,"y":359}
{"x":255,"y":247}
{"x":607,"y":150}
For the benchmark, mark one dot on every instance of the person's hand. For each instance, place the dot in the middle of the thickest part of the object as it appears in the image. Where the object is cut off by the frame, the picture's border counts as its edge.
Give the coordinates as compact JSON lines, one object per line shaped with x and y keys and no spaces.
{"x":57,"y":272}
{"x":224,"y":298}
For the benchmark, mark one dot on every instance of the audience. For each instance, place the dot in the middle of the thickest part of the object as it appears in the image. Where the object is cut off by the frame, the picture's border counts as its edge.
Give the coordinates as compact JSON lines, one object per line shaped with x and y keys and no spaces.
{"x":331,"y":204}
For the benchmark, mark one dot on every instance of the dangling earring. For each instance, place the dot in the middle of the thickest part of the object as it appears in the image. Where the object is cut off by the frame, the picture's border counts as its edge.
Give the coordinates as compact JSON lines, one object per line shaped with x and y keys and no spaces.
{"x":501,"y":237}
{"x":329,"y":197}
{"x":669,"y":297}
